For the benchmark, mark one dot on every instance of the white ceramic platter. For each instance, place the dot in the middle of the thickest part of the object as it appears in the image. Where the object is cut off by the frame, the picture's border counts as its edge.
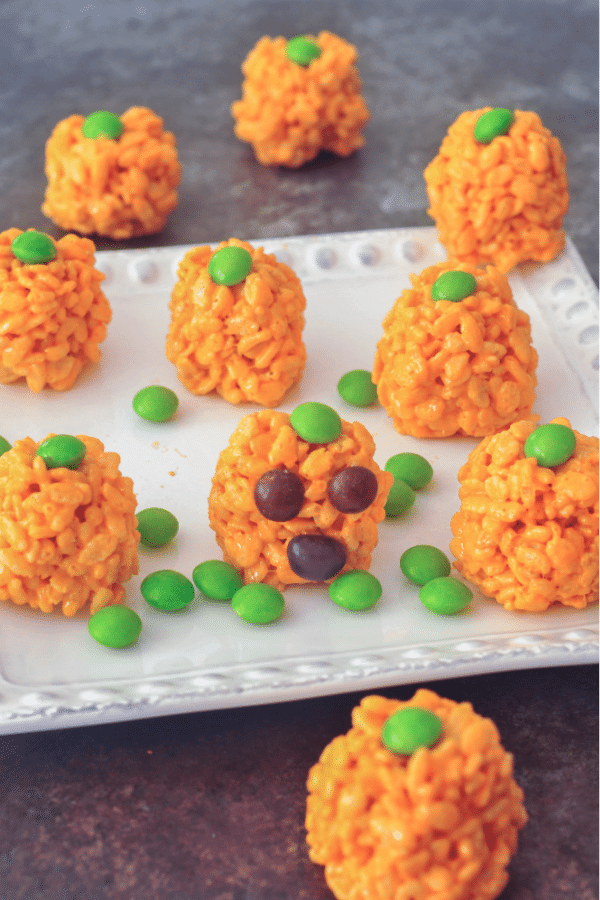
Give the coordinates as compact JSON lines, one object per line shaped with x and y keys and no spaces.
{"x":53,"y":675}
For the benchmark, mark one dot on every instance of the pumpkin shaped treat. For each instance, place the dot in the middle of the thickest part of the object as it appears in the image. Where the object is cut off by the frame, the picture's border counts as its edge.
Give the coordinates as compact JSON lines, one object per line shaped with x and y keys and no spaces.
{"x":111,"y":175}
{"x":53,"y":314}
{"x":237,"y":316}
{"x":498,"y":189}
{"x":527,"y":529}
{"x":299,"y":97}
{"x":416,"y":802}
{"x":68,"y":532}
{"x":456,"y":354}
{"x":298,"y":498}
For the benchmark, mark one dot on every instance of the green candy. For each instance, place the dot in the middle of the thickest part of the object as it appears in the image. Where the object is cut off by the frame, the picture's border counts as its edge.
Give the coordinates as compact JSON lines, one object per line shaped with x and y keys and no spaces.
{"x":551,"y":444}
{"x":102,"y":124}
{"x":167,"y":590}
{"x":4,"y":446}
{"x":410,"y":728}
{"x":229,"y":265}
{"x":316,"y":423}
{"x":356,"y":388}
{"x":258,"y":603}
{"x":156,"y":526}
{"x":445,"y":596}
{"x":400,"y":498}
{"x":33,"y":247}
{"x":62,"y":451}
{"x":302,"y":50}
{"x":492,"y":124}
{"x":355,"y":590}
{"x":217,"y":579}
{"x":156,"y":403}
{"x":411,"y":468}
{"x":423,"y":562}
{"x":454,"y":286}
{"x":115,"y":626}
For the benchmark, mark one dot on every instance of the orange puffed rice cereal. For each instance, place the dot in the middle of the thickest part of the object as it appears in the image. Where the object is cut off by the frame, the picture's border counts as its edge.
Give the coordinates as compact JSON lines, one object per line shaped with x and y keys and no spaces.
{"x":119,"y":188}
{"x":525,"y":534}
{"x":257,"y":546}
{"x":68,"y":537}
{"x":440,"y":824}
{"x":466,"y":367}
{"x":52,"y":315}
{"x":243,"y":341}
{"x":289,"y":112}
{"x":501,"y":202}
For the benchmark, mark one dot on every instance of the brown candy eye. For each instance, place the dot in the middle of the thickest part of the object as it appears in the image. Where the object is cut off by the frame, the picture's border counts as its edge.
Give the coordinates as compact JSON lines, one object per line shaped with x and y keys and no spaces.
{"x":352,"y":489}
{"x":316,"y":557}
{"x":279,"y":495}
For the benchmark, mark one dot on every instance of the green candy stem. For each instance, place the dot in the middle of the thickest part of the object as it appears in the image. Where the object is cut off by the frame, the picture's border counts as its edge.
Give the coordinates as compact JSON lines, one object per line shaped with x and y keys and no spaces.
{"x":492,"y":124}
{"x":62,"y":451}
{"x":316,"y":423}
{"x":102,"y":124}
{"x":454,"y":286}
{"x":302,"y":50}
{"x":33,"y":247}
{"x":551,"y":445}
{"x":230,"y":265}
{"x":410,"y":728}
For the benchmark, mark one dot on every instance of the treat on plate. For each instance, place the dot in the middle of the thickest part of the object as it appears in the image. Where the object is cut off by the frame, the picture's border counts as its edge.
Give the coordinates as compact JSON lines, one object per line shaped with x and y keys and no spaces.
{"x":298,"y":498}
{"x":498,"y":189}
{"x":53,"y":313}
{"x":416,"y":802}
{"x":68,"y":535}
{"x":527,"y":529}
{"x":299,"y":97}
{"x":237,"y":316}
{"x":456,"y":354}
{"x":111,"y":175}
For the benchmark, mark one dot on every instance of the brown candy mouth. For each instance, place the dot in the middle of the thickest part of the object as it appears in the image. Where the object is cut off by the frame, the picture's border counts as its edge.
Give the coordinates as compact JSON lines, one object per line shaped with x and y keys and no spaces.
{"x":316,"y":557}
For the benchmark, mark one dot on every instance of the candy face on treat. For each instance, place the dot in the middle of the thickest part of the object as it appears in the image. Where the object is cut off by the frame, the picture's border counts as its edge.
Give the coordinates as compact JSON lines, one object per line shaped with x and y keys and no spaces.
{"x":53,"y":314}
{"x":68,"y":536}
{"x":498,"y":189}
{"x":110,"y":175}
{"x":237,"y":316}
{"x":456,"y":366}
{"x":527,"y":531}
{"x":299,"y":97}
{"x":287,"y":510}
{"x":389,"y":801}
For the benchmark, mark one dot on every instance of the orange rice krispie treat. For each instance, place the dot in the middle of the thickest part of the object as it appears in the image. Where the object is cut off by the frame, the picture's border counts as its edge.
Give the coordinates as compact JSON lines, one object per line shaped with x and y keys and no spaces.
{"x":68,"y":536}
{"x":237,"y":316}
{"x":498,"y":189}
{"x":109,"y":175}
{"x":527,"y":531}
{"x":53,"y":314}
{"x":434,"y":818}
{"x":289,"y":509}
{"x":460,"y":364}
{"x":299,"y":97}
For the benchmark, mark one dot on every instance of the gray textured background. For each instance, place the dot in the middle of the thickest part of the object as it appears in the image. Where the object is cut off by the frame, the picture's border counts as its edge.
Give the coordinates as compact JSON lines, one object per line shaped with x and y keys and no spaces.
{"x":422,"y":63}
{"x":209,"y":806}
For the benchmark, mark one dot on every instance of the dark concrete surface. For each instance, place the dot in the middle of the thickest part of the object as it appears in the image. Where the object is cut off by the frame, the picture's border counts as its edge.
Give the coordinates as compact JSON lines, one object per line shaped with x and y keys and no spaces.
{"x":422,"y":63}
{"x":210,"y":806}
